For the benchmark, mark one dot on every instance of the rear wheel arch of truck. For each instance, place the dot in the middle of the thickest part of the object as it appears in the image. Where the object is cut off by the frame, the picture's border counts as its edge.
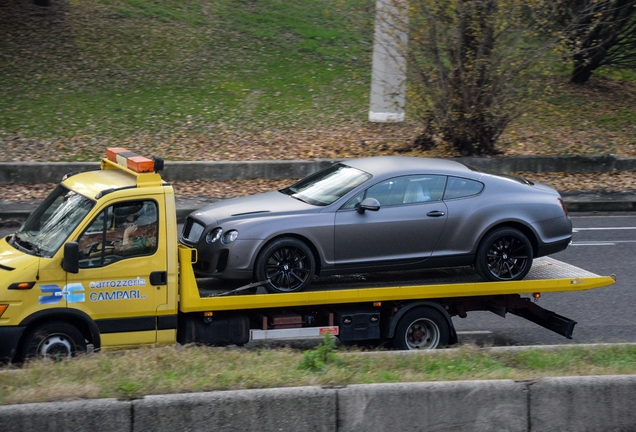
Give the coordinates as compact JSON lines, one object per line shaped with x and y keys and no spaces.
{"x":62,"y":326}
{"x":421,"y":316}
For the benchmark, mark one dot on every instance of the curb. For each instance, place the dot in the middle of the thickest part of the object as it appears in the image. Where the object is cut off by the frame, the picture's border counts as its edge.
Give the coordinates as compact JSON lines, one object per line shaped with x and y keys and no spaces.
{"x":52,"y":172}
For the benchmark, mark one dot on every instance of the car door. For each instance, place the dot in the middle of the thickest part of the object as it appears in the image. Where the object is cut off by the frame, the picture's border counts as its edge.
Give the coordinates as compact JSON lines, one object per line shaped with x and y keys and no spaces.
{"x":407,"y":226}
{"x":123,"y":271}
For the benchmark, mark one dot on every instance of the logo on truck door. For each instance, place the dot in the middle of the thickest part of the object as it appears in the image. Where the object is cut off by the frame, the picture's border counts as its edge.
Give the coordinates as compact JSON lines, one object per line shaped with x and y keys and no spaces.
{"x":75,"y":292}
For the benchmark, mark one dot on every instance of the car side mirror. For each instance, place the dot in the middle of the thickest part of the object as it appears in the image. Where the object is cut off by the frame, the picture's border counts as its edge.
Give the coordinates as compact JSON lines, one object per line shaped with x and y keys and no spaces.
{"x":70,"y":262}
{"x":370,"y":204}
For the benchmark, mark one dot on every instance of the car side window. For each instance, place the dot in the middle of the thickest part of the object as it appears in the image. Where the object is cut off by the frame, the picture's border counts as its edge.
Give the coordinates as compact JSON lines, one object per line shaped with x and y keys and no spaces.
{"x":403,"y":190}
{"x":458,"y":187}
{"x":123,"y":230}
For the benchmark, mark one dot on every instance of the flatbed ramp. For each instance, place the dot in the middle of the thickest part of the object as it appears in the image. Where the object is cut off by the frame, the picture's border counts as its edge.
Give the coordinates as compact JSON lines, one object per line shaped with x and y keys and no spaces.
{"x":546,"y":275}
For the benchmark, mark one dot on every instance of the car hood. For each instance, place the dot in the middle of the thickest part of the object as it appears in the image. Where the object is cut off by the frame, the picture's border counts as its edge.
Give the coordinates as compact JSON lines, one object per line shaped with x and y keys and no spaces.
{"x":264,"y":204}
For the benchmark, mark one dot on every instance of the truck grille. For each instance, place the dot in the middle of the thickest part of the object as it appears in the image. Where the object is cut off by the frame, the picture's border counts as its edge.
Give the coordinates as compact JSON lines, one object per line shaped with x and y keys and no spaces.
{"x":192,"y":230}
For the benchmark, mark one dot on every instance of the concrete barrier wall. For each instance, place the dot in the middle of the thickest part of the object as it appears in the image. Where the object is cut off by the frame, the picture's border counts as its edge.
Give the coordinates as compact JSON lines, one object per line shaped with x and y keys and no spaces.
{"x":581,"y":404}
{"x":52,"y":172}
{"x":437,"y":406}
{"x":103,"y":415}
{"x":304,"y":409}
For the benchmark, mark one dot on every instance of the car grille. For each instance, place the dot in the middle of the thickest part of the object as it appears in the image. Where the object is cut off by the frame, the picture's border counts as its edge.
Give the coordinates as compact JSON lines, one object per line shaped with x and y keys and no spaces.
{"x":192,"y":231}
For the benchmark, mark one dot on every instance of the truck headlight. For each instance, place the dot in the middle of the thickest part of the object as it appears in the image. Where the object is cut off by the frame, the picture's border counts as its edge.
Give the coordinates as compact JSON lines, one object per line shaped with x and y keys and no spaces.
{"x":213,"y":235}
{"x":230,"y":236}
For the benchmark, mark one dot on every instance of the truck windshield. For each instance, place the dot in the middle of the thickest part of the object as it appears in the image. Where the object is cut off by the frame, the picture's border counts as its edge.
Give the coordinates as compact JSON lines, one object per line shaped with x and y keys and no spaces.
{"x":52,"y":222}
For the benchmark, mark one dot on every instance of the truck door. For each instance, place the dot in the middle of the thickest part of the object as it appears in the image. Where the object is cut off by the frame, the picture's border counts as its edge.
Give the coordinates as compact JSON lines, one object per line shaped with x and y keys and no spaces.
{"x":123,"y":271}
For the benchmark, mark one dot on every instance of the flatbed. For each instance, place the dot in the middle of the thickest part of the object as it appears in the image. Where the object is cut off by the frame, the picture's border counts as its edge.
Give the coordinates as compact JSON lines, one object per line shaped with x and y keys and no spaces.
{"x":547,"y":275}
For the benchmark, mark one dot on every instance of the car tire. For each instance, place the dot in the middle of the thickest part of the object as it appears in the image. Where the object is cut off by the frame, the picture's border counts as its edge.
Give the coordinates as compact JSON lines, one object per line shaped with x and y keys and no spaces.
{"x":55,"y":340}
{"x":287,"y":263}
{"x":421,"y":328}
{"x":504,"y":254}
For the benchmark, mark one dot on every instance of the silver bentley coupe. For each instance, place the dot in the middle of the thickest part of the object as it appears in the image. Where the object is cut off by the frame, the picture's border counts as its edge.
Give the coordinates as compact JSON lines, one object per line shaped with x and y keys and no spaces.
{"x":380,"y":214}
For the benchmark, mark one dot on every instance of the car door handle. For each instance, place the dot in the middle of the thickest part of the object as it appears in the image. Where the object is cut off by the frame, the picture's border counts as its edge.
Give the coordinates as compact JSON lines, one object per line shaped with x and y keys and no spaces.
{"x":435,"y":213}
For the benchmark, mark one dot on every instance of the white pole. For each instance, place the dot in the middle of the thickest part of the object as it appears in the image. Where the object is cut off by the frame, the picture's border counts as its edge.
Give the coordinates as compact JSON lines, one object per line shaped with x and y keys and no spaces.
{"x":388,"y":76}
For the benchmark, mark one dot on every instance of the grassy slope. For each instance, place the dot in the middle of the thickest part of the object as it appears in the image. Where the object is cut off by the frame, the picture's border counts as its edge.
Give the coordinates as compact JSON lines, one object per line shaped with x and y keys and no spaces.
{"x":236,"y":79}
{"x":124,"y":67}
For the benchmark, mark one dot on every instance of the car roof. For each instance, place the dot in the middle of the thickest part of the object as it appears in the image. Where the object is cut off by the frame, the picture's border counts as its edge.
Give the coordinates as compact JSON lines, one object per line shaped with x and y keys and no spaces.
{"x":405,"y":165}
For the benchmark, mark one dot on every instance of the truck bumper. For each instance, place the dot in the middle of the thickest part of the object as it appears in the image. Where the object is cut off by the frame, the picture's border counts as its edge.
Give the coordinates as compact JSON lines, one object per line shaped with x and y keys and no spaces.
{"x":9,"y":340}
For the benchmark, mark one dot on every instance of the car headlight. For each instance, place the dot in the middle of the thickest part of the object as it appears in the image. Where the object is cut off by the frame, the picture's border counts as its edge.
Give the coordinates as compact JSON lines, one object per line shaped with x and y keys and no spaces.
{"x":230,"y":236}
{"x":213,"y":235}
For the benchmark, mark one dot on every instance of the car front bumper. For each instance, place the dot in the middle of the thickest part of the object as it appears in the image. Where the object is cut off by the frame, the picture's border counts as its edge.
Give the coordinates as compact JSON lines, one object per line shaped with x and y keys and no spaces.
{"x":227,"y":261}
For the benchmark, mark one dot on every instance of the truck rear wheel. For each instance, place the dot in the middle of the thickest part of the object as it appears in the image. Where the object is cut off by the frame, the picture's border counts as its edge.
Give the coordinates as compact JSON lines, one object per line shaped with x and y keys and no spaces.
{"x":288,"y":264}
{"x":55,"y":340}
{"x":421,"y":328}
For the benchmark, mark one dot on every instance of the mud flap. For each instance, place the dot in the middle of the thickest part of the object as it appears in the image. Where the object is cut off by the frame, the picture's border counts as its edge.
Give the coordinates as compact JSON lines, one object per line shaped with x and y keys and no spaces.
{"x":545,"y":318}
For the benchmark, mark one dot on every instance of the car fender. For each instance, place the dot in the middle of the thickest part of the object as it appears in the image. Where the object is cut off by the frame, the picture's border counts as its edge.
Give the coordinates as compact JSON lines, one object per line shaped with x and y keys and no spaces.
{"x":316,"y":229}
{"x":469,"y":220}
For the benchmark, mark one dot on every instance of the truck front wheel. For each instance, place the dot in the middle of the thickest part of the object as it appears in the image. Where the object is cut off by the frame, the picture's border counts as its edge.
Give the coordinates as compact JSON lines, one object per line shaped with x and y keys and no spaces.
{"x":421,"y":328}
{"x":54,"y":340}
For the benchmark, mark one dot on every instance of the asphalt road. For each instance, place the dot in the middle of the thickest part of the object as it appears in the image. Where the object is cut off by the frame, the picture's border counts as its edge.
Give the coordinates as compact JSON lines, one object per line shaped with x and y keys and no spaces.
{"x":602,"y":243}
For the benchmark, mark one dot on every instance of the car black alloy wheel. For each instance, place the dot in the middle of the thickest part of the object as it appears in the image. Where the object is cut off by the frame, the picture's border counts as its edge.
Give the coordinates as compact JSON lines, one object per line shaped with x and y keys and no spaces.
{"x":504,"y":255}
{"x":288,"y":264}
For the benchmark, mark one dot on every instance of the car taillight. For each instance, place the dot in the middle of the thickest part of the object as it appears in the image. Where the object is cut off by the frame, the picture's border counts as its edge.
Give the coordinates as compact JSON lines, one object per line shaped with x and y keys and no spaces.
{"x":565,"y":210}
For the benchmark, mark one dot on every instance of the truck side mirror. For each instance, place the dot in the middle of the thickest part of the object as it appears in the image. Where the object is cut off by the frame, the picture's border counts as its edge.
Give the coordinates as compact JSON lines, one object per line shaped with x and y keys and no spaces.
{"x":370,"y":204}
{"x":70,"y":262}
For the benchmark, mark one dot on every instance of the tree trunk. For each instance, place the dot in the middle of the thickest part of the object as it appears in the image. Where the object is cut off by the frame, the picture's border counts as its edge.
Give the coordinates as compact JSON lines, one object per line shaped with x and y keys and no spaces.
{"x":584,"y":66}
{"x":582,"y":72}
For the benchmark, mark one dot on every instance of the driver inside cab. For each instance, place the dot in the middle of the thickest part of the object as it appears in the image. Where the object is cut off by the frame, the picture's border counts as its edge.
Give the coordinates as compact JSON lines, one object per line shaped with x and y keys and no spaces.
{"x":122,"y":230}
{"x":139,"y":230}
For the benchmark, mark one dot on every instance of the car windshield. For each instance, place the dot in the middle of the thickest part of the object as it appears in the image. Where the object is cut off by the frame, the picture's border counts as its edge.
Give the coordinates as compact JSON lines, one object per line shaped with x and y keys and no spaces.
{"x":327,"y":186}
{"x":52,"y":222}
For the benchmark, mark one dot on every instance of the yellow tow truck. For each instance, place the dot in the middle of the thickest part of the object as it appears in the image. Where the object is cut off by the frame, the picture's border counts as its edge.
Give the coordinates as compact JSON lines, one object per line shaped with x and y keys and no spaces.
{"x":98,"y":265}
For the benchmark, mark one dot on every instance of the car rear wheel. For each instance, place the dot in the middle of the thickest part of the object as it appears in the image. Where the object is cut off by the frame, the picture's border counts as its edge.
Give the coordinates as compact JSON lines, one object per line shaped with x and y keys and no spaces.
{"x":505,"y":254}
{"x":287,"y":263}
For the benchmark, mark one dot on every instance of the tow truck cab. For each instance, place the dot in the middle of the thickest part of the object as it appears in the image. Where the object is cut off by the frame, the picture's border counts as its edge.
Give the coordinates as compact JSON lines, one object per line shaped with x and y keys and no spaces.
{"x":68,"y":266}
